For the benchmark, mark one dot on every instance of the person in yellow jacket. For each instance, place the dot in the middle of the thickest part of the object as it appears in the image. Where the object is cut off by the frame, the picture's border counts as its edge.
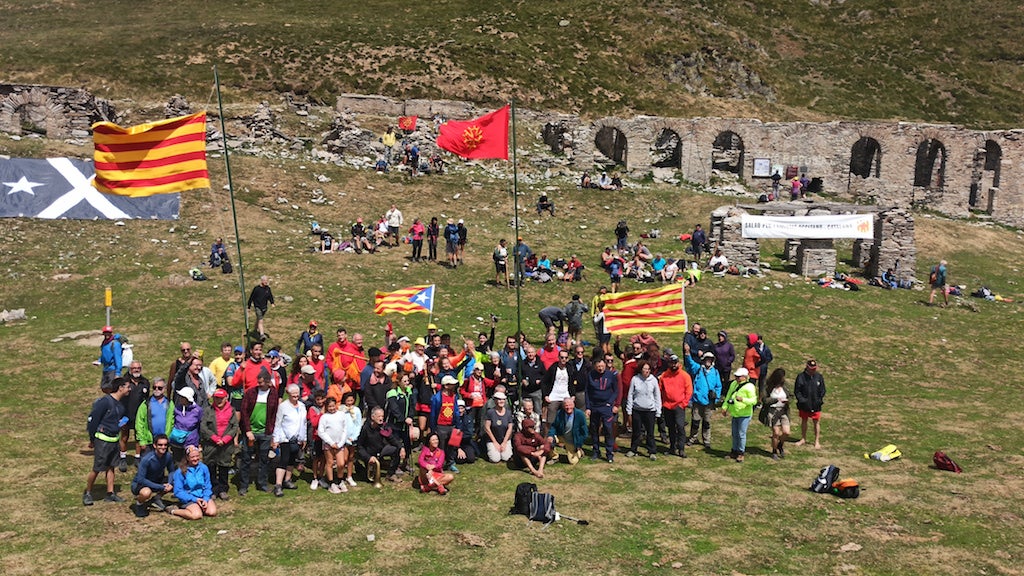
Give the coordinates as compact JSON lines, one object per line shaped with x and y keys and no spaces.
{"x":739,"y":403}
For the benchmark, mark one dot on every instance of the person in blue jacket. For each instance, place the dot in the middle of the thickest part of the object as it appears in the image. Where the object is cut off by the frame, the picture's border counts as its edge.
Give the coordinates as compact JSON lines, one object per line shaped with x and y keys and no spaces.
{"x":707,"y":388}
{"x":110,"y":356}
{"x":192,"y":487}
{"x":151,"y":481}
{"x":570,"y":429}
{"x":602,"y":407}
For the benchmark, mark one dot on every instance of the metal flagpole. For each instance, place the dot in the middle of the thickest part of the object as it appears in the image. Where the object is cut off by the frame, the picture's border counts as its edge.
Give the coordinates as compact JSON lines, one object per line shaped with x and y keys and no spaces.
{"x":234,"y":214}
{"x":515,"y":207}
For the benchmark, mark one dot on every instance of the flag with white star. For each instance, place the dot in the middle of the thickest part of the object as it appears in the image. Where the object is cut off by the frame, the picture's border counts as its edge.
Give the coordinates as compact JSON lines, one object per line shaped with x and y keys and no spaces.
{"x":62,"y":188}
{"x":405,"y":301}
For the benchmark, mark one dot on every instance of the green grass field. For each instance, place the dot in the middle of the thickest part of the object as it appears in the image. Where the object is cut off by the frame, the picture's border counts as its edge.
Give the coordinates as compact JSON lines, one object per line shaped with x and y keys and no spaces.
{"x":897,"y":371}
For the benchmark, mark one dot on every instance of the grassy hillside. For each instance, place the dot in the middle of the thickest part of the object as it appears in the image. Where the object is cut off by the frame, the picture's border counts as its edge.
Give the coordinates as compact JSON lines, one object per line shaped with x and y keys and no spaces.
{"x":941,"y":61}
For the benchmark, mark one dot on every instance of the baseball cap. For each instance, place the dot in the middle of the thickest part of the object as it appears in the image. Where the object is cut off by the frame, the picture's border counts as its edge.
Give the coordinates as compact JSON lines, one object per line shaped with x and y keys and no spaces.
{"x":448,"y":380}
{"x":708,"y":355}
{"x":673,"y":358}
{"x":500,"y":396}
{"x":403,"y":339}
{"x":812,"y":363}
{"x":239,"y":350}
{"x":313,"y":323}
{"x":274,"y":354}
{"x":307,"y":369}
{"x":108,"y":329}
{"x":741,"y":372}
{"x":220,"y":393}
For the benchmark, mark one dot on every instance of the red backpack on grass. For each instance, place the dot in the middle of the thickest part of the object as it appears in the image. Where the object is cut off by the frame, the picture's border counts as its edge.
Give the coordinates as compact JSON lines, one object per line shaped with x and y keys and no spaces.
{"x":943,"y":462}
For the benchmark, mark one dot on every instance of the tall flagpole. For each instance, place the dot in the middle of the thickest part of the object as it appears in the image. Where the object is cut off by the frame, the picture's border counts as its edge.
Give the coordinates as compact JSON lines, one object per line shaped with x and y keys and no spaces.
{"x":234,"y":214}
{"x":515,"y":207}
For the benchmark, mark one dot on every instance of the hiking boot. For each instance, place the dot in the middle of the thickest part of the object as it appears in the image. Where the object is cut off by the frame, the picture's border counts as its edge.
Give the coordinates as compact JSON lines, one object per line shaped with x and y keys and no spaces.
{"x":289,"y":485}
{"x":158,"y":503}
{"x":739,"y":457}
{"x":630,"y":454}
{"x":223,"y":496}
{"x":690,"y":442}
{"x":87,"y":499}
{"x":278,"y":491}
{"x":113,"y":497}
{"x":122,"y":465}
{"x":707,"y":445}
{"x":140,"y":510}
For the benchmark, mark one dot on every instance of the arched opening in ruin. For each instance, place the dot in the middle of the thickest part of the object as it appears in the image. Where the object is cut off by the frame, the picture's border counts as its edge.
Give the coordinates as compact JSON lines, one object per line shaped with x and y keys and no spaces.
{"x":985,"y":176}
{"x":727,"y":153}
{"x":866,"y":158}
{"x":667,"y":149}
{"x":611,"y":142}
{"x":930,"y":166}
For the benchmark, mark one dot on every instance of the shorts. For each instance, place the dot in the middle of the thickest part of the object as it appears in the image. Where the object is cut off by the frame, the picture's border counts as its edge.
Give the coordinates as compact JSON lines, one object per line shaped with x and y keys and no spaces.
{"x":393,"y":230}
{"x":500,"y":268}
{"x":317,"y":449}
{"x":136,"y":488}
{"x":260,"y":313}
{"x":615,"y":278}
{"x":804,"y":414}
{"x":450,"y":247}
{"x":778,"y":417}
{"x":105,"y":455}
{"x":289,"y":454}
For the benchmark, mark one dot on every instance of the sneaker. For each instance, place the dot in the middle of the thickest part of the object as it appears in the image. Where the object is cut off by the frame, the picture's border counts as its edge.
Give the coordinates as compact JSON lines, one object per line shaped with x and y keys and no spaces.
{"x":775,"y":456}
{"x":122,"y":465}
{"x":223,"y":496}
{"x":140,"y":510}
{"x":334,"y":489}
{"x":454,"y":469}
{"x":113,"y":497}
{"x":707,"y":445}
{"x":378,"y":485}
{"x":158,"y":503}
{"x":739,"y":457}
{"x":243,"y":491}
{"x":314,"y":484}
{"x":441,"y":489}
{"x":263,"y":488}
{"x":682,"y":454}
{"x":289,"y":485}
{"x":87,"y":499}
{"x":342,"y":487}
{"x":351,"y":481}
{"x":170,"y":509}
{"x":278,"y":491}
{"x":595,"y":456}
{"x":611,"y":459}
{"x":690,"y":442}
{"x":653,"y":457}
{"x":630,"y":454}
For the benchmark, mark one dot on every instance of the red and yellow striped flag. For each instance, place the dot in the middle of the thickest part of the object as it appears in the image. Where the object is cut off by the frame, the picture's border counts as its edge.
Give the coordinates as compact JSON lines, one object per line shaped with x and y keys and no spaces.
{"x":658,"y":310}
{"x":155,"y":158}
{"x":405,"y":301}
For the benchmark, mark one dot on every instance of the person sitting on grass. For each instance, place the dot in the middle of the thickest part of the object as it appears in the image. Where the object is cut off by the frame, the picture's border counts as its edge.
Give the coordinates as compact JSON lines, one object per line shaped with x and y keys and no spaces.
{"x":378,"y":441}
{"x":192,"y":487}
{"x":431,"y":463}
{"x":532,"y":449}
{"x":150,"y":482}
{"x":545,"y":205}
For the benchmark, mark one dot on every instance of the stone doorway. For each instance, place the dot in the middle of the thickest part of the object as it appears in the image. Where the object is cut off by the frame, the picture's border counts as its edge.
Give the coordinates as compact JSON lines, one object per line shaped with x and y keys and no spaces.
{"x":930,"y":166}
{"x":866,"y":158}
{"x":611,"y":142}
{"x":727,"y":153}
{"x":667,"y":149}
{"x":985,"y":177}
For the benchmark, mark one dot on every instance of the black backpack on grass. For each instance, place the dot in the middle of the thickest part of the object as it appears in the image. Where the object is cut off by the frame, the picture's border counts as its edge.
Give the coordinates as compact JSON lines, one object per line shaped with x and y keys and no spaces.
{"x":524,"y":495}
{"x":826,"y":478}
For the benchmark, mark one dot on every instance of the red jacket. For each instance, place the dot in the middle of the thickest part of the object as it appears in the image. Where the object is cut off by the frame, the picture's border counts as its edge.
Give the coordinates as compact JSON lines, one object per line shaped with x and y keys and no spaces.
{"x":248,"y":372}
{"x":676,"y":388}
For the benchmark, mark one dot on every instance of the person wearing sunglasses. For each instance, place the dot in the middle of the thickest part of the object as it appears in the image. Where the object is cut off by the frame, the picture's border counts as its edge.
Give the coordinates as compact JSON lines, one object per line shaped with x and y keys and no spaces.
{"x":153,"y":416}
{"x":151,"y":480}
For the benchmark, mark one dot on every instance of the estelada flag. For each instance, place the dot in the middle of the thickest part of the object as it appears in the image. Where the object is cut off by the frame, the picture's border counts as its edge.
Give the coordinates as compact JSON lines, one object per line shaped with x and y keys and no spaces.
{"x":405,"y":301}
{"x":407,"y":122}
{"x":658,"y":310}
{"x":484,"y":137}
{"x":154,"y":158}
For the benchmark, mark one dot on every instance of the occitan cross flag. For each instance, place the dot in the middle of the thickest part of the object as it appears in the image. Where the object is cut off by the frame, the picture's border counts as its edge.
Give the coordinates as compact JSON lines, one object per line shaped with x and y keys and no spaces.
{"x":483,"y":137}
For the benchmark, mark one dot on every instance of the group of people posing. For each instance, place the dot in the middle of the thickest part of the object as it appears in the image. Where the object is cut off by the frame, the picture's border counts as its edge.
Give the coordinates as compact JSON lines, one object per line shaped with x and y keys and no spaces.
{"x":349,"y":408}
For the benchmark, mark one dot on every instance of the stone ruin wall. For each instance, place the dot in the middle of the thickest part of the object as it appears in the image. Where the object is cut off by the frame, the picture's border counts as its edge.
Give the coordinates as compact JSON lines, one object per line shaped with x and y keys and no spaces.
{"x":55,"y":111}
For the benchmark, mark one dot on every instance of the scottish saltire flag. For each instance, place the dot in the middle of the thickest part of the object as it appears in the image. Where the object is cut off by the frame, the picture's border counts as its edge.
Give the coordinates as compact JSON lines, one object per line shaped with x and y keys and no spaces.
{"x":153,"y":158}
{"x":405,"y":301}
{"x":658,"y":310}
{"x":62,"y":188}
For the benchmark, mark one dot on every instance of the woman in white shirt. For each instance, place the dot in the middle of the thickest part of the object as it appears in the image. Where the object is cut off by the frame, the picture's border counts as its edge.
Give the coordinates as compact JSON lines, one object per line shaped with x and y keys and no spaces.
{"x":289,"y":438}
{"x":333,"y":432}
{"x":778,"y":412}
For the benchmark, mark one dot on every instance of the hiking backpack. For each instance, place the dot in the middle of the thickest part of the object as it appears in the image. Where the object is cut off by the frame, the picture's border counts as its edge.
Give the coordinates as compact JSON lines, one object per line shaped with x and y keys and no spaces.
{"x":826,"y":478}
{"x":226,"y":267}
{"x":846,"y":488}
{"x":943,"y":462}
{"x":542,"y":507}
{"x":524,"y":496}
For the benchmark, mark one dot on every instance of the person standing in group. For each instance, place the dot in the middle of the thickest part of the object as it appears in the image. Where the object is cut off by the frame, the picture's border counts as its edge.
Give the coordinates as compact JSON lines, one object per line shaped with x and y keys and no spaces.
{"x":260,"y":298}
{"x":433,"y":233}
{"x":937,"y":279}
{"x":104,"y":427}
{"x":725,"y":355}
{"x":810,"y":396}
{"x":289,"y":439}
{"x":643,"y":402}
{"x":707,"y":387}
{"x":500,"y":257}
{"x":219,"y":432}
{"x":333,"y":432}
{"x":394,"y":222}
{"x":138,"y":394}
{"x":416,"y":232}
{"x":602,"y":395}
{"x":778,"y":412}
{"x":451,"y":243}
{"x":739,"y":403}
{"x":463,"y":239}
{"x":676,"y":391}
{"x":258,"y":418}
{"x":110,"y":357}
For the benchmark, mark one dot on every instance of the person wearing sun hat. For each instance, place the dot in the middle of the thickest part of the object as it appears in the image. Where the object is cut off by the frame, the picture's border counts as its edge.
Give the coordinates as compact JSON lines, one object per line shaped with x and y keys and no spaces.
{"x":218,"y":430}
{"x":184,"y":428}
{"x":707,"y":388}
{"x":444,"y":413}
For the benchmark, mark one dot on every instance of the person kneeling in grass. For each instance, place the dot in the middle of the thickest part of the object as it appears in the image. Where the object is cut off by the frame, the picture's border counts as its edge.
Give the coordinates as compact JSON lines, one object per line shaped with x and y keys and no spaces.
{"x":150,"y":482}
{"x":192,"y":487}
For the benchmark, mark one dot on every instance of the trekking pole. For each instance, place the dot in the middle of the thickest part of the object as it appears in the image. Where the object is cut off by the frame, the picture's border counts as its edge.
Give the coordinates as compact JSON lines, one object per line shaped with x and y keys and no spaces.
{"x":559,"y":515}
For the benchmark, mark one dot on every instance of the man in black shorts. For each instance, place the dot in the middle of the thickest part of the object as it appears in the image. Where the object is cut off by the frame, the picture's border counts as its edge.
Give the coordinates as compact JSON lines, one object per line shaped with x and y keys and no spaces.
{"x":500,"y":257}
{"x":260,"y":298}
{"x":104,"y":427}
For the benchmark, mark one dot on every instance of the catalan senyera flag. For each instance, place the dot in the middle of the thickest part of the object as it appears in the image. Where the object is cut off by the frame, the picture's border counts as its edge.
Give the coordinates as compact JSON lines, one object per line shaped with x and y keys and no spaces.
{"x":658,"y":310}
{"x":484,"y":137}
{"x":407,"y":122}
{"x":155,"y":158}
{"x":405,"y":301}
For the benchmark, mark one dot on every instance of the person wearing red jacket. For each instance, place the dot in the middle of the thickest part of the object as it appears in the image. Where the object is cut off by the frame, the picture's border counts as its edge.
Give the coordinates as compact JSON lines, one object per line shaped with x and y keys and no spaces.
{"x":247,"y":374}
{"x":676,"y":391}
{"x":340,"y":354}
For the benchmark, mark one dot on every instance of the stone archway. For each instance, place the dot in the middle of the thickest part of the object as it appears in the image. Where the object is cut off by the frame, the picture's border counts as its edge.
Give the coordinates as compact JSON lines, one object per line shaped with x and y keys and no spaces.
{"x":985,"y":176}
{"x":930,"y":165}
{"x":866,"y":158}
{"x":33,"y":111}
{"x":612,"y":143}
{"x":667,"y":149}
{"x":727,"y":153}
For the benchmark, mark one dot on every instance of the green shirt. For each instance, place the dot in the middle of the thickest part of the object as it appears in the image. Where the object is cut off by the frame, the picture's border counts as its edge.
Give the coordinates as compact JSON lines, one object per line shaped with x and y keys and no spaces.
{"x":258,"y":419}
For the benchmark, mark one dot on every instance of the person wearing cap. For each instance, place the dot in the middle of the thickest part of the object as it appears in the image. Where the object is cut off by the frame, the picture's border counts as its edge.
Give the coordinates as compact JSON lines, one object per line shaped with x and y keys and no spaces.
{"x":416,"y":232}
{"x":725,"y":355}
{"x":444,"y":415}
{"x":394,"y":220}
{"x":676,"y":388}
{"x":569,"y":429}
{"x":644,"y":404}
{"x":309,"y":337}
{"x":602,"y":395}
{"x":219,"y":432}
{"x":451,"y":245}
{"x":433,"y":233}
{"x":289,"y":439}
{"x":463,"y":233}
{"x":279,"y":368}
{"x":810,"y":396}
{"x":185,"y":419}
{"x":110,"y":357}
{"x":104,"y":428}
{"x":151,"y":479}
{"x":739,"y":403}
{"x":192,"y":487}
{"x":707,"y":388}
{"x":359,"y":238}
{"x":532,"y":449}
{"x":257,"y":420}
{"x":498,"y":428}
{"x":303,"y":374}
{"x":259,"y":299}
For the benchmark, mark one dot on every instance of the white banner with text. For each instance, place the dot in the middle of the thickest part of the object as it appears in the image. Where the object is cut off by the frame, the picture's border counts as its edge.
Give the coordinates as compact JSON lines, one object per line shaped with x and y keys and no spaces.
{"x":800,"y":227}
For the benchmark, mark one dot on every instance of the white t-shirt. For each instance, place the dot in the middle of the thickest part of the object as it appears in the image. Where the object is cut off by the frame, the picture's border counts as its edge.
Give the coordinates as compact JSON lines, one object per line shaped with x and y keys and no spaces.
{"x":560,"y":389}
